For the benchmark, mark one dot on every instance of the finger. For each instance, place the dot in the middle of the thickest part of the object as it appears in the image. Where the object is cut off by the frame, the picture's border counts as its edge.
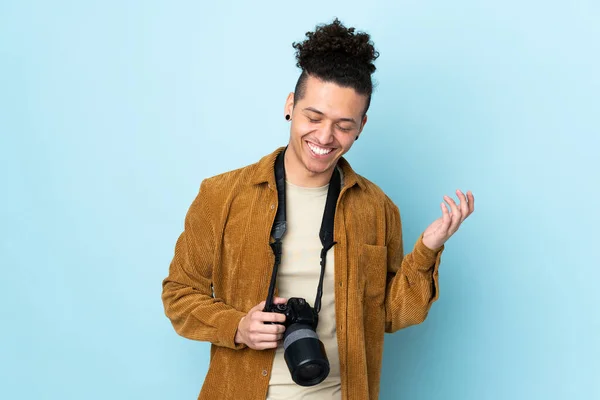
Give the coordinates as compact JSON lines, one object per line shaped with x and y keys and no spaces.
{"x":464,"y":207}
{"x":456,"y":215}
{"x":268,"y":316}
{"x":445,"y":217}
{"x":471,"y":202}
{"x":267,"y":337}
{"x":265,"y":345}
{"x":270,"y":329}
{"x":279,"y":300}
{"x":259,"y":307}
{"x":261,"y":327}
{"x":454,"y":210}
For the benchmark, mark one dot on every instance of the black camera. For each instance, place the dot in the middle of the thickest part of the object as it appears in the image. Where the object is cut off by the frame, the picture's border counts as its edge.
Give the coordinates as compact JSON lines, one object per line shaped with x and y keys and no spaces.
{"x":304,"y":353}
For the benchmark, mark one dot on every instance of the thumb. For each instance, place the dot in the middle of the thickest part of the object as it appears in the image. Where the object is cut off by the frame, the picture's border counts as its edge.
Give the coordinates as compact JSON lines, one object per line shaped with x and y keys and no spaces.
{"x":259,"y":307}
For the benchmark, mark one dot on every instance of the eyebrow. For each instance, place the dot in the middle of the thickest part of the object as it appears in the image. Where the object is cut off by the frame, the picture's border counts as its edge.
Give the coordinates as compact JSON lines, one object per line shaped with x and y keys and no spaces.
{"x":322,"y":113}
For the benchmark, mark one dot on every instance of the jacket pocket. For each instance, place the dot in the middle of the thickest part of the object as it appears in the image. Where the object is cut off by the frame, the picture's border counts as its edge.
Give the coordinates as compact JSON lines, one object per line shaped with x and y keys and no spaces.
{"x":373,"y":270}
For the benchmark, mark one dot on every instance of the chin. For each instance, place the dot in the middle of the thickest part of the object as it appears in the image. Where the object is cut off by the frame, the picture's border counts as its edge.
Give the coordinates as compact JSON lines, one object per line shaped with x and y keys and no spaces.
{"x":317,"y":167}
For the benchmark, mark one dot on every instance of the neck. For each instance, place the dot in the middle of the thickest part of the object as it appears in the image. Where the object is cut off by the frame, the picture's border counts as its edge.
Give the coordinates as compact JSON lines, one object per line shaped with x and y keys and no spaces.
{"x":300,"y":176}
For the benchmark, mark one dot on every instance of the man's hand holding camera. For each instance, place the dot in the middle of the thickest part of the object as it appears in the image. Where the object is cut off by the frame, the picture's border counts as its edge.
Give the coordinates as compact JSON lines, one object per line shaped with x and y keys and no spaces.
{"x":258,"y":335}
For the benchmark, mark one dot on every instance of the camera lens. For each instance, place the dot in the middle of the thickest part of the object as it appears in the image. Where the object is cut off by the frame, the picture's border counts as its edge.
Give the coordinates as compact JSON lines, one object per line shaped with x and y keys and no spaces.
{"x":310,"y":372}
{"x":305,"y":355}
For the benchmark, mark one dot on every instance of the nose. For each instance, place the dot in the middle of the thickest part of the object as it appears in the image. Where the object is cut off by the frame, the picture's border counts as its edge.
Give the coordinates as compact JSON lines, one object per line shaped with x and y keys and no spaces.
{"x":325,"y":133}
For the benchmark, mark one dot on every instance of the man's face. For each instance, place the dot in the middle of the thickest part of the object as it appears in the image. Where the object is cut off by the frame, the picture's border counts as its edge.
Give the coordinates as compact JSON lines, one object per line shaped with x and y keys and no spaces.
{"x":324,"y":126}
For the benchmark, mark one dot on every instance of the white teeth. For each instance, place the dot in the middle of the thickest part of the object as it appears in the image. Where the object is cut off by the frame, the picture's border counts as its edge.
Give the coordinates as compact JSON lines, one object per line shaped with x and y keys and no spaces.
{"x":318,"y":150}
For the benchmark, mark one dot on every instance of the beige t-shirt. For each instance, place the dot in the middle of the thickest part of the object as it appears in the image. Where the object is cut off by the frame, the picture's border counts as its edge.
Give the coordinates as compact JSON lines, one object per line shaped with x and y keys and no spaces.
{"x":298,"y":276}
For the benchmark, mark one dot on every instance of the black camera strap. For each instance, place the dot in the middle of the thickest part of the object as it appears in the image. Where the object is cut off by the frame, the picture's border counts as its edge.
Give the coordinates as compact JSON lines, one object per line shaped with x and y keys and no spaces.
{"x":279,"y":226}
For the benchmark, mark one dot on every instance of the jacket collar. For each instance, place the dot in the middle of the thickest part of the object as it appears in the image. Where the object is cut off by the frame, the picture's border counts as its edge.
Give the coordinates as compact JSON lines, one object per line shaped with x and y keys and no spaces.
{"x":264,"y":172}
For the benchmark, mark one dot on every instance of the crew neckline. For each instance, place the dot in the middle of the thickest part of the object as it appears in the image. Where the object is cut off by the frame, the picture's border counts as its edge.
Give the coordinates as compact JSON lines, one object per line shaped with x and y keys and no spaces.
{"x":307,"y":188}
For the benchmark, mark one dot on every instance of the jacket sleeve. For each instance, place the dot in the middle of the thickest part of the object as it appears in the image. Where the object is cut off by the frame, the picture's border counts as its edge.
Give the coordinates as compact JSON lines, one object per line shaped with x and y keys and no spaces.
{"x":412,"y":284}
{"x":187,"y":293}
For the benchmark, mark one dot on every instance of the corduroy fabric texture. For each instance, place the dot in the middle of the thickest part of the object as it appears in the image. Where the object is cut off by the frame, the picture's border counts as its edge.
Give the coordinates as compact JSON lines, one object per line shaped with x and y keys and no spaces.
{"x":223,"y":264}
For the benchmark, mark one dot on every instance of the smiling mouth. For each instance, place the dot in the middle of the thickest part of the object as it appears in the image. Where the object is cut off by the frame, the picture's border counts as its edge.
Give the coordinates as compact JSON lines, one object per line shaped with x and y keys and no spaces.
{"x":317,"y":150}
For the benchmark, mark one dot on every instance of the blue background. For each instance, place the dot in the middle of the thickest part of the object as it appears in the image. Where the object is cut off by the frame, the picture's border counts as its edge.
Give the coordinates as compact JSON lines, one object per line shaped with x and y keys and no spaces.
{"x":111,"y":113}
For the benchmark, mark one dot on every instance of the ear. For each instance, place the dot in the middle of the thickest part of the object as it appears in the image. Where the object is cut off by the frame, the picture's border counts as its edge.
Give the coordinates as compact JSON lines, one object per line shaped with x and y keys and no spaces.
{"x":289,"y":105}
{"x":362,"y":124}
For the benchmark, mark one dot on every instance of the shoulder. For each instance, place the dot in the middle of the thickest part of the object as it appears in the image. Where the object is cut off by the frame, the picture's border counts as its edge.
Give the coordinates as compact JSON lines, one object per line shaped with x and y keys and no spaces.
{"x":373,"y":193}
{"x":229,"y":180}
{"x":245,"y":177}
{"x":373,"y":198}
{"x":218,"y":191}
{"x":363,"y":191}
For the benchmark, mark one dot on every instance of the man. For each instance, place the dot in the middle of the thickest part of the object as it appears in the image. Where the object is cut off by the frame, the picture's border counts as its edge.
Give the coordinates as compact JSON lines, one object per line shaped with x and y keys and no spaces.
{"x":219,"y":277}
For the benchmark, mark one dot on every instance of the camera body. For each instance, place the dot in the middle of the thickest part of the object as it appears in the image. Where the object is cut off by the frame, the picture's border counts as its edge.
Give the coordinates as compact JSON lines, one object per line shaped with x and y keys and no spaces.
{"x":296,"y":311}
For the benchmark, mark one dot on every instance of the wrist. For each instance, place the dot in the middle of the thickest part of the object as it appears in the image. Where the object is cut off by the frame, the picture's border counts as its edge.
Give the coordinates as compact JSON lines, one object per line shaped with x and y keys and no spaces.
{"x":238,"y":337}
{"x":431,"y":244}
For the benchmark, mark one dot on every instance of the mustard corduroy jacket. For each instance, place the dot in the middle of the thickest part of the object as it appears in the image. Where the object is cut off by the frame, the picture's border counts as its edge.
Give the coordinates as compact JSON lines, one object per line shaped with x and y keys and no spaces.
{"x":223,"y":263}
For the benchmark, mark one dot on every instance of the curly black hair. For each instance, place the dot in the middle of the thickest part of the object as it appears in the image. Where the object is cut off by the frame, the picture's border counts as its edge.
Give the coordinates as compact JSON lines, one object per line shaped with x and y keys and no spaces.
{"x":334,"y":53}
